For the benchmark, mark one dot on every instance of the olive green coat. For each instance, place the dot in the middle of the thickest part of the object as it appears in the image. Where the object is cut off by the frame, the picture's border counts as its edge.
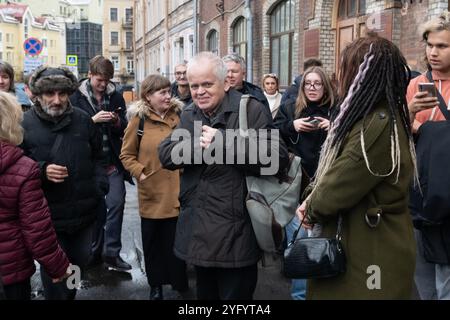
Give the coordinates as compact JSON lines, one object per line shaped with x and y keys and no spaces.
{"x":349,"y":188}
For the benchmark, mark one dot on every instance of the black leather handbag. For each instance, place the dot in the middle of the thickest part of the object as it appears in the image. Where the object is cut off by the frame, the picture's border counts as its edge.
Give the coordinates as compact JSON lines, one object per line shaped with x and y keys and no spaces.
{"x":314,"y":258}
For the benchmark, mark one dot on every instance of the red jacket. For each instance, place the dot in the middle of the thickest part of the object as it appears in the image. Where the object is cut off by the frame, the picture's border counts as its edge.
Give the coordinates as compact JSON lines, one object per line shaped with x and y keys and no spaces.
{"x":26,"y":230}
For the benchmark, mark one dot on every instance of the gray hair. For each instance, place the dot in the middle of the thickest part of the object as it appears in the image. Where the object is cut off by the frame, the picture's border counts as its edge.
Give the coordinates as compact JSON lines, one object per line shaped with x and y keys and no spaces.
{"x":234,"y":57}
{"x":220,"y":69}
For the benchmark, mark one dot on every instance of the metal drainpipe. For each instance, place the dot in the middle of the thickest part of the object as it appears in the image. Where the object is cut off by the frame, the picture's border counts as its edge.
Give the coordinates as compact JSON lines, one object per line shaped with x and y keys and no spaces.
{"x":249,"y":17}
{"x":167,"y":41}
{"x":195,"y":27}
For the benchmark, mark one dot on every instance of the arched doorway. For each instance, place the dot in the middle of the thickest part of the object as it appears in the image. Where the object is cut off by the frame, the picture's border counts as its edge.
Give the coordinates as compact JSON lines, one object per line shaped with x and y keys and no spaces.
{"x":350,"y":24}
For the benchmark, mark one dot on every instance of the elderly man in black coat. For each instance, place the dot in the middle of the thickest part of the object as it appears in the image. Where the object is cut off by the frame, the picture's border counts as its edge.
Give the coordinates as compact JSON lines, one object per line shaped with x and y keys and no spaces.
{"x":214,"y":231}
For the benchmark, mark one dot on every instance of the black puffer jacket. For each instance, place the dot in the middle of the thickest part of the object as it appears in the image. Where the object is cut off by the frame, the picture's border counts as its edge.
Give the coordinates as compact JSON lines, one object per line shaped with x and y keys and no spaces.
{"x":82,"y":100}
{"x":73,"y":202}
{"x":214,"y":228}
{"x":306,"y":145}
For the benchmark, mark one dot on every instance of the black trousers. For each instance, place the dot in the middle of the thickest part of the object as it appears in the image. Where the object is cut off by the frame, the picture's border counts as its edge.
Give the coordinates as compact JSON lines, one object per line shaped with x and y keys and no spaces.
{"x":18,"y":291}
{"x":77,"y":247}
{"x":226,"y":283}
{"x":161,"y":264}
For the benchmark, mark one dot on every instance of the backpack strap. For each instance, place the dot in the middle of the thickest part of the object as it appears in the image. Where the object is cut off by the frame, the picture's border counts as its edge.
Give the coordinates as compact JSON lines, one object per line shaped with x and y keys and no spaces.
{"x":442,"y":104}
{"x":140,"y":131}
{"x":243,"y":122}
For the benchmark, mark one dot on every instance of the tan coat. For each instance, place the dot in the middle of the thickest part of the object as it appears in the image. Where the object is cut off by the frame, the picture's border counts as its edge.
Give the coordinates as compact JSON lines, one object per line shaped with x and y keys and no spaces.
{"x":158,"y":194}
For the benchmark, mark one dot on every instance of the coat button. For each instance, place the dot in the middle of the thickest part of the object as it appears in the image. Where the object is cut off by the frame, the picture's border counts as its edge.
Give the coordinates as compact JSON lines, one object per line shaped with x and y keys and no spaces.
{"x":382,"y":115}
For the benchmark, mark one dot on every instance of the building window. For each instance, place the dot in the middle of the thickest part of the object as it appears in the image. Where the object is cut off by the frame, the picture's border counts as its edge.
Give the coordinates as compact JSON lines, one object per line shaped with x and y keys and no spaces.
{"x":240,"y":37}
{"x":130,"y":65}
{"x":114,"y":38}
{"x":351,"y":8}
{"x":44,"y":43}
{"x":212,"y":42}
{"x":129,"y":40}
{"x":281,"y":36}
{"x":113,"y":14}
{"x":129,"y":15}
{"x":181,"y":51}
{"x":0,"y":37}
{"x":115,"y":62}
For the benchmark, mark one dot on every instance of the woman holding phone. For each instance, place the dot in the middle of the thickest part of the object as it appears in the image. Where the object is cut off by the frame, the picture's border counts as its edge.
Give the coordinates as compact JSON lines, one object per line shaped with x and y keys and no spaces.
{"x":304,"y":123}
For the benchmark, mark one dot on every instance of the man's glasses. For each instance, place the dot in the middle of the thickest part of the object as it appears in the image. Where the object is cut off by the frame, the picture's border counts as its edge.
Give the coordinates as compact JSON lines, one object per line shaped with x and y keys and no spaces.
{"x":179,"y":73}
{"x":315,"y":85}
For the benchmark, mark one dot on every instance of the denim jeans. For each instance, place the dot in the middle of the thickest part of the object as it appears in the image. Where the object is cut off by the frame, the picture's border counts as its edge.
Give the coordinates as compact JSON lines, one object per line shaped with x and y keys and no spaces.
{"x":298,"y":288}
{"x":432,"y":280}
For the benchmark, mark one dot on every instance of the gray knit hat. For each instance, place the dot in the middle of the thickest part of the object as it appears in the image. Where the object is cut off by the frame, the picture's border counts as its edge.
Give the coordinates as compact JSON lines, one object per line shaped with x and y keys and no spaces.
{"x":48,"y":79}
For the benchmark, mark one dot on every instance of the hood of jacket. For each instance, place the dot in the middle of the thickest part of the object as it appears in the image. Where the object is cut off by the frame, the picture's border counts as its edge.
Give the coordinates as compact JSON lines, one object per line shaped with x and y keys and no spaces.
{"x":9,"y":155}
{"x":83,"y":88}
{"x":141,"y":108}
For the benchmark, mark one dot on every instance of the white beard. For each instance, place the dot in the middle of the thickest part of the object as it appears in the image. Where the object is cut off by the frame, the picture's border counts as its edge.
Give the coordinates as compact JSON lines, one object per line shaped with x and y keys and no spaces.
{"x":54,"y":112}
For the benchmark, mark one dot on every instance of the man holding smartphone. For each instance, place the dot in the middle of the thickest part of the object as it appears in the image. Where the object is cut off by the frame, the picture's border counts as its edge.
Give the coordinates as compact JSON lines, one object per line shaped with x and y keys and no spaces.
{"x":98,"y":97}
{"x":433,"y":241}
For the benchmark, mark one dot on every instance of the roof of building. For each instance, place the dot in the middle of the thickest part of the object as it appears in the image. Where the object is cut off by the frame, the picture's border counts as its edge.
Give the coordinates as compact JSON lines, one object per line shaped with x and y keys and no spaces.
{"x":13,"y":9}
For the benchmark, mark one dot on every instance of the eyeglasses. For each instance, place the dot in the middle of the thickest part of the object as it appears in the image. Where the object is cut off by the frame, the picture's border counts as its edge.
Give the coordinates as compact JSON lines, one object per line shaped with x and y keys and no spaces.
{"x":316,"y":85}
{"x":179,"y":73}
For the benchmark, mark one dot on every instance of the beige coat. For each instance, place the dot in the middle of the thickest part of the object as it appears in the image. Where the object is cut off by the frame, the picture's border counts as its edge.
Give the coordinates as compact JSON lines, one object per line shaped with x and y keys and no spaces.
{"x":158,"y":193}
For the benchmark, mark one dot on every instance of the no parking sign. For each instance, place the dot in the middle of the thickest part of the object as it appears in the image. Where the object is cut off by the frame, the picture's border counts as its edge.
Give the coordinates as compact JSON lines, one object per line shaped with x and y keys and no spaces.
{"x":32,"y":46}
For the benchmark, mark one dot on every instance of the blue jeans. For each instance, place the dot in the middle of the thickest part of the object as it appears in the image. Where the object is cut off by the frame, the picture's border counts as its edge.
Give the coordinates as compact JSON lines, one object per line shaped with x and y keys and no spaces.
{"x":298,"y":288}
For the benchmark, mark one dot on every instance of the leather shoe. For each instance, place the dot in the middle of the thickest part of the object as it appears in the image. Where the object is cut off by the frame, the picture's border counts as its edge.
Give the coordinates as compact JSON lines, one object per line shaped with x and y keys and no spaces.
{"x":117,"y":264}
{"x":156,"y":293}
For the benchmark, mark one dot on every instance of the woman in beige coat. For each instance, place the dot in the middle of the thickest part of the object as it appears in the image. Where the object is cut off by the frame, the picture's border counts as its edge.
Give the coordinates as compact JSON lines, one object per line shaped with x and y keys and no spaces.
{"x":158,"y":188}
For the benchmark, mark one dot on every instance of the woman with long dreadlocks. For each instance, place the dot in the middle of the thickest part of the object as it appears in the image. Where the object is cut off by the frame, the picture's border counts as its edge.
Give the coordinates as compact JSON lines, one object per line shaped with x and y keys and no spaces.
{"x":364,"y":173}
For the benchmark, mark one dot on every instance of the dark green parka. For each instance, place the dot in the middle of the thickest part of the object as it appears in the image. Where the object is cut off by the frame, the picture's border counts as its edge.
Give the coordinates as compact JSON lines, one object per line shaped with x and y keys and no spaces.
{"x":348,"y":188}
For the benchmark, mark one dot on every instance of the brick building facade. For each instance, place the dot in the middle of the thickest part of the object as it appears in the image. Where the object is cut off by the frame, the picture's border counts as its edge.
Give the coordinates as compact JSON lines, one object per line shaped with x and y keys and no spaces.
{"x":286,"y":32}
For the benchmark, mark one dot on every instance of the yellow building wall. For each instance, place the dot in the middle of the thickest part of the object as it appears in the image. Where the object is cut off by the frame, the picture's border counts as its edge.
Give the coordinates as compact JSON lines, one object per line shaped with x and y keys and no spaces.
{"x":11,"y":45}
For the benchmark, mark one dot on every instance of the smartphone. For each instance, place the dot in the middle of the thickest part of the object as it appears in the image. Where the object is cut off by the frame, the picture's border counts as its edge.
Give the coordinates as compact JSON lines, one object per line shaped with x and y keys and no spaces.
{"x":117,"y":109}
{"x":315,"y":122}
{"x":428,"y":87}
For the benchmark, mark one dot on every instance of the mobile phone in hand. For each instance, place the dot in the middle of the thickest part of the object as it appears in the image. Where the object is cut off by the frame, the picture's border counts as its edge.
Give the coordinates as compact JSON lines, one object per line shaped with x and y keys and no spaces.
{"x":313,"y":121}
{"x":428,"y":87}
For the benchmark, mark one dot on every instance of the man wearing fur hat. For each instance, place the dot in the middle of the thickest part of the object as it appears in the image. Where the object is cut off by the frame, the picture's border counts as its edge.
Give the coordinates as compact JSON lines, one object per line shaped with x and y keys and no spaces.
{"x":67,"y":146}
{"x":97,"y":96}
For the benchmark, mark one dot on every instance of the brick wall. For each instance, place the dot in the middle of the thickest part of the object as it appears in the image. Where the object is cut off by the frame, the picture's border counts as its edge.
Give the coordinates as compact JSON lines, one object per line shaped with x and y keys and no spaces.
{"x":410,"y":41}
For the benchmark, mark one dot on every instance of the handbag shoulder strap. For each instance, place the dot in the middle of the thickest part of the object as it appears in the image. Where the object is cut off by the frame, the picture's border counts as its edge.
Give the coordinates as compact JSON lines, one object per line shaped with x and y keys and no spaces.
{"x":243,"y":121}
{"x":338,"y":231}
{"x":442,"y":104}
{"x":57,"y":143}
{"x":140,"y":131}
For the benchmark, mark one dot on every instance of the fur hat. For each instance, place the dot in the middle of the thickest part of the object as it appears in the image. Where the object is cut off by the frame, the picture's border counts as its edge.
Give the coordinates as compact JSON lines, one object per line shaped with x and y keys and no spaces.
{"x":48,"y":79}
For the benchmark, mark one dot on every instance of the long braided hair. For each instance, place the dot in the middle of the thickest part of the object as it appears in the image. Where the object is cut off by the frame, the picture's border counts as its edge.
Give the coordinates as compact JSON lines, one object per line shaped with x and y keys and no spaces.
{"x":373,"y":69}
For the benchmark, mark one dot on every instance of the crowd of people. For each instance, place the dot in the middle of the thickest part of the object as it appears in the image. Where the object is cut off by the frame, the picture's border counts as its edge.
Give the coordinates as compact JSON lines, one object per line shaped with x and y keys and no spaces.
{"x":65,"y":161}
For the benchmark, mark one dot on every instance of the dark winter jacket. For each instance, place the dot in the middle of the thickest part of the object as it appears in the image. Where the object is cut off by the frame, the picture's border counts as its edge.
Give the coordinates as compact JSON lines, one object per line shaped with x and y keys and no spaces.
{"x":73,"y":202}
{"x":174,"y":93}
{"x":214,"y":228}
{"x":291,"y":93}
{"x":306,"y":145}
{"x":257,"y":93}
{"x":81,"y":99}
{"x":26,"y":230}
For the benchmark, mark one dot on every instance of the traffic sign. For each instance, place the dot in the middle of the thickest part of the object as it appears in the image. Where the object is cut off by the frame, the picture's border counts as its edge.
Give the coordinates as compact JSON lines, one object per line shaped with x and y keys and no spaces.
{"x":72,"y":60}
{"x":31,"y":64}
{"x":33,"y":46}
